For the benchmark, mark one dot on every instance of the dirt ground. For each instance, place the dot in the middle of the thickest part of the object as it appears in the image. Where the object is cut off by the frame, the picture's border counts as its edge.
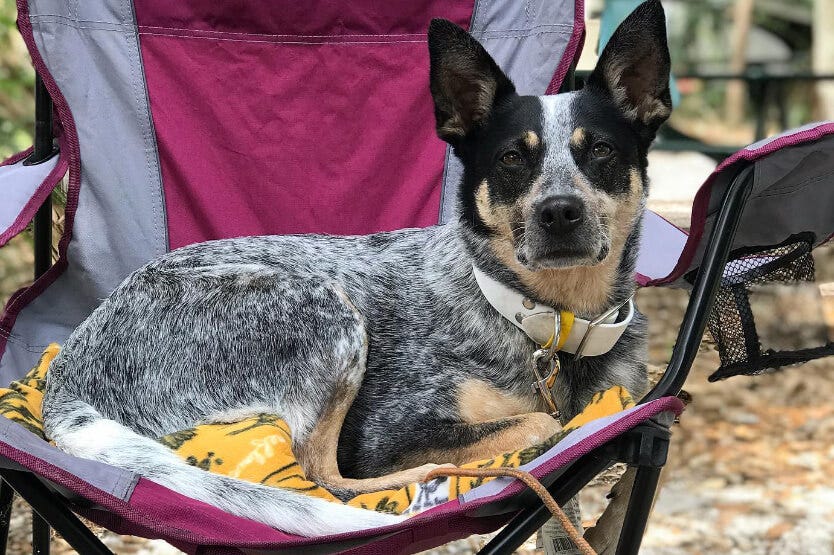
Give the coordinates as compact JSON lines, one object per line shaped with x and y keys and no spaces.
{"x":752,"y":460}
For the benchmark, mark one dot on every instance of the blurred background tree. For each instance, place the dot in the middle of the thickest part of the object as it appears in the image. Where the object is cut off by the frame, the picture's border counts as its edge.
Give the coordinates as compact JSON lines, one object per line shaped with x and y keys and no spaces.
{"x":772,"y":36}
{"x":771,"y":39}
{"x":17,"y":81}
{"x":768,"y":37}
{"x":17,"y":115}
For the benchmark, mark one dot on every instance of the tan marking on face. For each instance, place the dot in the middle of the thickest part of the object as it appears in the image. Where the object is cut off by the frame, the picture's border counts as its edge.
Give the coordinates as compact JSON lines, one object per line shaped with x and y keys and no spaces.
{"x":483,"y":203}
{"x":478,"y":402}
{"x":636,"y":182}
{"x":524,"y":205}
{"x":523,"y":431}
{"x":495,"y":217}
{"x":499,"y":218}
{"x":531,"y":139}
{"x":577,"y":137}
{"x":627,"y":211}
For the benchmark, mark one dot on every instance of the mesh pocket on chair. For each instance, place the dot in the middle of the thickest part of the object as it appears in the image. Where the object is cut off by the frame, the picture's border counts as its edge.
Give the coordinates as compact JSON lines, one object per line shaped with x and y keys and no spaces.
{"x":749,"y":287}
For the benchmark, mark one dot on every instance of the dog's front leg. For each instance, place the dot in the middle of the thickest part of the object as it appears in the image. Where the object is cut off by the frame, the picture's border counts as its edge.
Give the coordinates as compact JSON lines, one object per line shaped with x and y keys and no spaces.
{"x":462,"y":443}
{"x":468,"y":442}
{"x":506,"y":434}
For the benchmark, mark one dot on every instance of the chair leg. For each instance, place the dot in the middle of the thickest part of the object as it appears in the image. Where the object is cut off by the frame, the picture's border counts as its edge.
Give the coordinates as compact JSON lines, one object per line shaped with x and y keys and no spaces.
{"x":639,"y":506}
{"x":6,"y":498}
{"x":530,"y":519}
{"x":54,"y":510}
{"x":40,"y":535}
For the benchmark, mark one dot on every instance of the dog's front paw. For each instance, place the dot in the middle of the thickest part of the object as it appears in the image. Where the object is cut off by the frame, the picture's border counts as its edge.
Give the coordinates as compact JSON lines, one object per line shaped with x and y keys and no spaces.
{"x":541,"y":427}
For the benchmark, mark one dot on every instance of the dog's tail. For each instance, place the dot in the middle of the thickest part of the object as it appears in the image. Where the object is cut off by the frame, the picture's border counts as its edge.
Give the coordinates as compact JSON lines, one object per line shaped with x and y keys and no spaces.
{"x":78,"y":429}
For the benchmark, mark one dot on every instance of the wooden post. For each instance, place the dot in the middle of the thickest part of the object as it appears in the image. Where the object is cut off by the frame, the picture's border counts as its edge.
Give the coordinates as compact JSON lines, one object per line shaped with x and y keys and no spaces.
{"x":827,"y":291}
{"x":734,"y":100}
{"x":823,"y":56}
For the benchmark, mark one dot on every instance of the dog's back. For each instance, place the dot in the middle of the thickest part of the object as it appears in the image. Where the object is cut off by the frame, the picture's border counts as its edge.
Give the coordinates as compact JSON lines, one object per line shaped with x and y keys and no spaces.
{"x":194,"y":325}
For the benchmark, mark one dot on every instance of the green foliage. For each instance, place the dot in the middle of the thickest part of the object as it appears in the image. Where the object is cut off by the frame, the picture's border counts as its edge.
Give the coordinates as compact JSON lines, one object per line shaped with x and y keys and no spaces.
{"x":17,"y":82}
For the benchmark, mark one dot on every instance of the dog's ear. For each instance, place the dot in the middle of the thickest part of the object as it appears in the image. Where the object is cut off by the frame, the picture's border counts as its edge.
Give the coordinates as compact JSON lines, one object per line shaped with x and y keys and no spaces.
{"x":634,"y":67}
{"x":465,"y":81}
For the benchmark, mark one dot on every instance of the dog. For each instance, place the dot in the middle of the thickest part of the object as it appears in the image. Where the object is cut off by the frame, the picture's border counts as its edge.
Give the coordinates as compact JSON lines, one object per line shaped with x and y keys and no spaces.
{"x":383,"y":353}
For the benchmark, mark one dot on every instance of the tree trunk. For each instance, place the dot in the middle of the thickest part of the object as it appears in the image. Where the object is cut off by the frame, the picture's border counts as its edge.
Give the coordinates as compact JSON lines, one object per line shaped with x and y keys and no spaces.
{"x":734,"y":101}
{"x":823,"y":55}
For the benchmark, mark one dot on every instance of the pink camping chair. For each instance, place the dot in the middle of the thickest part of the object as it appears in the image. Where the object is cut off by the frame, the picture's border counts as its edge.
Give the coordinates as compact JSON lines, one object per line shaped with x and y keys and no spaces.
{"x":185,"y":121}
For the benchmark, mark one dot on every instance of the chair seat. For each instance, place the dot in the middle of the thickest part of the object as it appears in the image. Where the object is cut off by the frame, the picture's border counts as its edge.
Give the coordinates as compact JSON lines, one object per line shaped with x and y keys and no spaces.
{"x":133,"y":505}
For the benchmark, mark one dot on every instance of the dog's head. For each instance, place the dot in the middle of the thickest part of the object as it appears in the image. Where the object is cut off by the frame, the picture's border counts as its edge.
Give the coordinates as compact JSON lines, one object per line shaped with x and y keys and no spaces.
{"x":554,"y":181}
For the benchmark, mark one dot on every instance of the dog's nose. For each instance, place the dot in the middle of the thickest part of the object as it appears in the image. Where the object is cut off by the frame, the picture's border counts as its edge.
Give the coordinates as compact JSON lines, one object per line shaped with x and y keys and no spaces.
{"x":561,"y":214}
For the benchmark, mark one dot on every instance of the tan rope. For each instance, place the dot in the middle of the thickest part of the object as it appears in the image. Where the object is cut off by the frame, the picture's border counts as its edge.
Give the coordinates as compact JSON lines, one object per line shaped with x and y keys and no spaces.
{"x":531,"y":483}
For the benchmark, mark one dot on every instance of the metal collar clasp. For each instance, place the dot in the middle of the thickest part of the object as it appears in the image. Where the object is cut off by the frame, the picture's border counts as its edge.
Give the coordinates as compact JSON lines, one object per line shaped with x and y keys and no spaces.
{"x":546,"y":367}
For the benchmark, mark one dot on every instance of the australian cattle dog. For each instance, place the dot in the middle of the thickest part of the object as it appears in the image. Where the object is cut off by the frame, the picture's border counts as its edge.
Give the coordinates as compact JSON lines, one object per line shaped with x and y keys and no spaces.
{"x":392,"y":352}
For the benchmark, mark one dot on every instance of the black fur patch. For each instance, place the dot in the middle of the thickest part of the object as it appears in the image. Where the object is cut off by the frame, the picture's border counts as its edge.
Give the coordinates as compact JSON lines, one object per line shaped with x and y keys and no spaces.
{"x":482,"y":150}
{"x":602,"y":122}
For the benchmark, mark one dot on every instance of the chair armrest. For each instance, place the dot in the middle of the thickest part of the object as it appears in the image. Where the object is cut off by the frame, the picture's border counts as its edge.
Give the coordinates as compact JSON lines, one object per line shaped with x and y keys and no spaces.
{"x":23,"y":188}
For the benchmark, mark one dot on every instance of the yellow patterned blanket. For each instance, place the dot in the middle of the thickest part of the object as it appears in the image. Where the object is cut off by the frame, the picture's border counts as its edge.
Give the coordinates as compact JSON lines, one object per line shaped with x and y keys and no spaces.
{"x":258,"y":448}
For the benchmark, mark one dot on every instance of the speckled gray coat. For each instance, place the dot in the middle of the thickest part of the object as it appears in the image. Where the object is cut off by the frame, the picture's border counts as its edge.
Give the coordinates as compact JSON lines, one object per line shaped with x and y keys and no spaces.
{"x":386,"y":329}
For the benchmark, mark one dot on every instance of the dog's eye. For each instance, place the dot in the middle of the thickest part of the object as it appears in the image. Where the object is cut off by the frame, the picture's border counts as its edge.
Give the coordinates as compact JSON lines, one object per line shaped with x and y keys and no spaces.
{"x":512,"y":158}
{"x":601,"y":150}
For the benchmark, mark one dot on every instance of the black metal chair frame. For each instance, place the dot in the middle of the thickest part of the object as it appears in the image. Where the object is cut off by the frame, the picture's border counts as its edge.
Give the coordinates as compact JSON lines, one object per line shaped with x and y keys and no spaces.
{"x":645,"y":447}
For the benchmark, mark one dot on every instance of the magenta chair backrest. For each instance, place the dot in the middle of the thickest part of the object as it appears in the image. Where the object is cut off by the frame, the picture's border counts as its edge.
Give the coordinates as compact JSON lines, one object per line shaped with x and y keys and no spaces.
{"x":191,"y":120}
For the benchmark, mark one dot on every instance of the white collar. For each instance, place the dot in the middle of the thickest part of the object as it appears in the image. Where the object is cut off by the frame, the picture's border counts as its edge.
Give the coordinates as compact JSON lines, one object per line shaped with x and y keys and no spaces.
{"x":586,"y":338}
